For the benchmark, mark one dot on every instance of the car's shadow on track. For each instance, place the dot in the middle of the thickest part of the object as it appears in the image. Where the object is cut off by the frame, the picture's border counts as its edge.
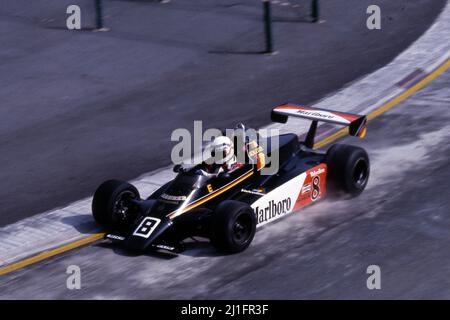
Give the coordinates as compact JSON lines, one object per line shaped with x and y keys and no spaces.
{"x":193,"y":248}
{"x":200,"y":248}
{"x":83,"y":223}
{"x":126,"y":253}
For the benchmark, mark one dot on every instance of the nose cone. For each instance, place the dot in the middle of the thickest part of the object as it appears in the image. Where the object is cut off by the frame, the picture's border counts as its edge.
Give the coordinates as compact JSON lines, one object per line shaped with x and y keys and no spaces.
{"x":148,"y":230}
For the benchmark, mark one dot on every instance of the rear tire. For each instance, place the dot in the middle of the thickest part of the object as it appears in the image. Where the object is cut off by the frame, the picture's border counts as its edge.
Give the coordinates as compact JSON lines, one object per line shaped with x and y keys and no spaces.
{"x":111,"y":207}
{"x":233,"y":226}
{"x":348,"y":169}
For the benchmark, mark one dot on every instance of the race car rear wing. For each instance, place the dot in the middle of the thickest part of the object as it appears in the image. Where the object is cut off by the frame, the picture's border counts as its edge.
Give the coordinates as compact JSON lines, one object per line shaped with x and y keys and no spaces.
{"x":356,"y":123}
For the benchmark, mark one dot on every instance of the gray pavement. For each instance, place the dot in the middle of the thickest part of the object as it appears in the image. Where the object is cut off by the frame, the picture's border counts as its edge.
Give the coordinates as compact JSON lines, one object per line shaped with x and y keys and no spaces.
{"x":400,"y":223}
{"x":81,"y":107}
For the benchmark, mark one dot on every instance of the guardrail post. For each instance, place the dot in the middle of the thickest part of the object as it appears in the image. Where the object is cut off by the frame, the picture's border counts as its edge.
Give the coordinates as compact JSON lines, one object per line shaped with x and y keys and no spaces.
{"x":315,"y":11}
{"x":268,"y":26}
{"x":98,"y":14}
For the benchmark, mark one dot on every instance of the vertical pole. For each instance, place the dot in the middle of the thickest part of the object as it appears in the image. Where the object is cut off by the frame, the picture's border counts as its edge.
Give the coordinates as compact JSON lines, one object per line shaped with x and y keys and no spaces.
{"x":98,"y":14}
{"x":309,"y":140}
{"x":315,"y":10}
{"x":268,"y":26}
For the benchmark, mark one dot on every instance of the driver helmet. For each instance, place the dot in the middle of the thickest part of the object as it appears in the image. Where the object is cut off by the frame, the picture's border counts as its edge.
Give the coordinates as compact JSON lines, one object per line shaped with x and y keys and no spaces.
{"x":223,"y":150}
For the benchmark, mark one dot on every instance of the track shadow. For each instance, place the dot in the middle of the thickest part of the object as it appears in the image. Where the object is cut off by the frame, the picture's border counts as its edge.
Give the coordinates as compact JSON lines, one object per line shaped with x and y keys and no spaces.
{"x":193,"y":248}
{"x":82,"y":223}
{"x":64,"y":28}
{"x":231,"y":52}
{"x":126,"y":253}
{"x":200,"y":249}
{"x":292,"y":20}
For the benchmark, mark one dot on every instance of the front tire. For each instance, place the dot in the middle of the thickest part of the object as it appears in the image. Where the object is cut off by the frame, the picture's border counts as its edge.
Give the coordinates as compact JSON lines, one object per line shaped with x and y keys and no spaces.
{"x":348,"y":169}
{"x":233,"y":226}
{"x":111,"y":205}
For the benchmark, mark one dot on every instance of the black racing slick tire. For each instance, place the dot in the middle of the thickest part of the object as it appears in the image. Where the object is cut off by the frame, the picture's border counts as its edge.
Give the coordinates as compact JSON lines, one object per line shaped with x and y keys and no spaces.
{"x":111,"y":205}
{"x":233,"y":226}
{"x":348,"y":170}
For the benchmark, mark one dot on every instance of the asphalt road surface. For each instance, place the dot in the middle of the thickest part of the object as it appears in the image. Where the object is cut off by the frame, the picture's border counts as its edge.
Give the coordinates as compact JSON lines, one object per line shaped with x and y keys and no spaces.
{"x":400,"y":223}
{"x":79,"y":107}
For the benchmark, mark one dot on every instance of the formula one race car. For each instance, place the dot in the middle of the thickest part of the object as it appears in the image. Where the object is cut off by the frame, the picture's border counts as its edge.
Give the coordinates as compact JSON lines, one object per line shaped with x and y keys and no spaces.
{"x":228,"y":208}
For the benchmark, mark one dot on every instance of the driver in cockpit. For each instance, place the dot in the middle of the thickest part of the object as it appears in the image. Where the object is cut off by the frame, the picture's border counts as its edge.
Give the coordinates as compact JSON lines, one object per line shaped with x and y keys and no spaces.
{"x":222,"y":151}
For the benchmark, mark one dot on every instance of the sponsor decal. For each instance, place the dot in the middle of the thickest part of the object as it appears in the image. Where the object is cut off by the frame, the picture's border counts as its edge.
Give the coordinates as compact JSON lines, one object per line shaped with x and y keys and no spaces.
{"x":115,"y":237}
{"x":173,"y":198}
{"x":254,"y":150}
{"x":316,"y":114}
{"x":257,"y":192}
{"x":317,"y":172}
{"x":273,"y":210}
{"x":321,"y":115}
{"x":306,"y":188}
{"x":165,"y":247}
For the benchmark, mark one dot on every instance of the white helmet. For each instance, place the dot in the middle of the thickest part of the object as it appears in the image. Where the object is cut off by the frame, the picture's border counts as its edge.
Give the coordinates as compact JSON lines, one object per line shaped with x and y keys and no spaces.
{"x":222,"y":150}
